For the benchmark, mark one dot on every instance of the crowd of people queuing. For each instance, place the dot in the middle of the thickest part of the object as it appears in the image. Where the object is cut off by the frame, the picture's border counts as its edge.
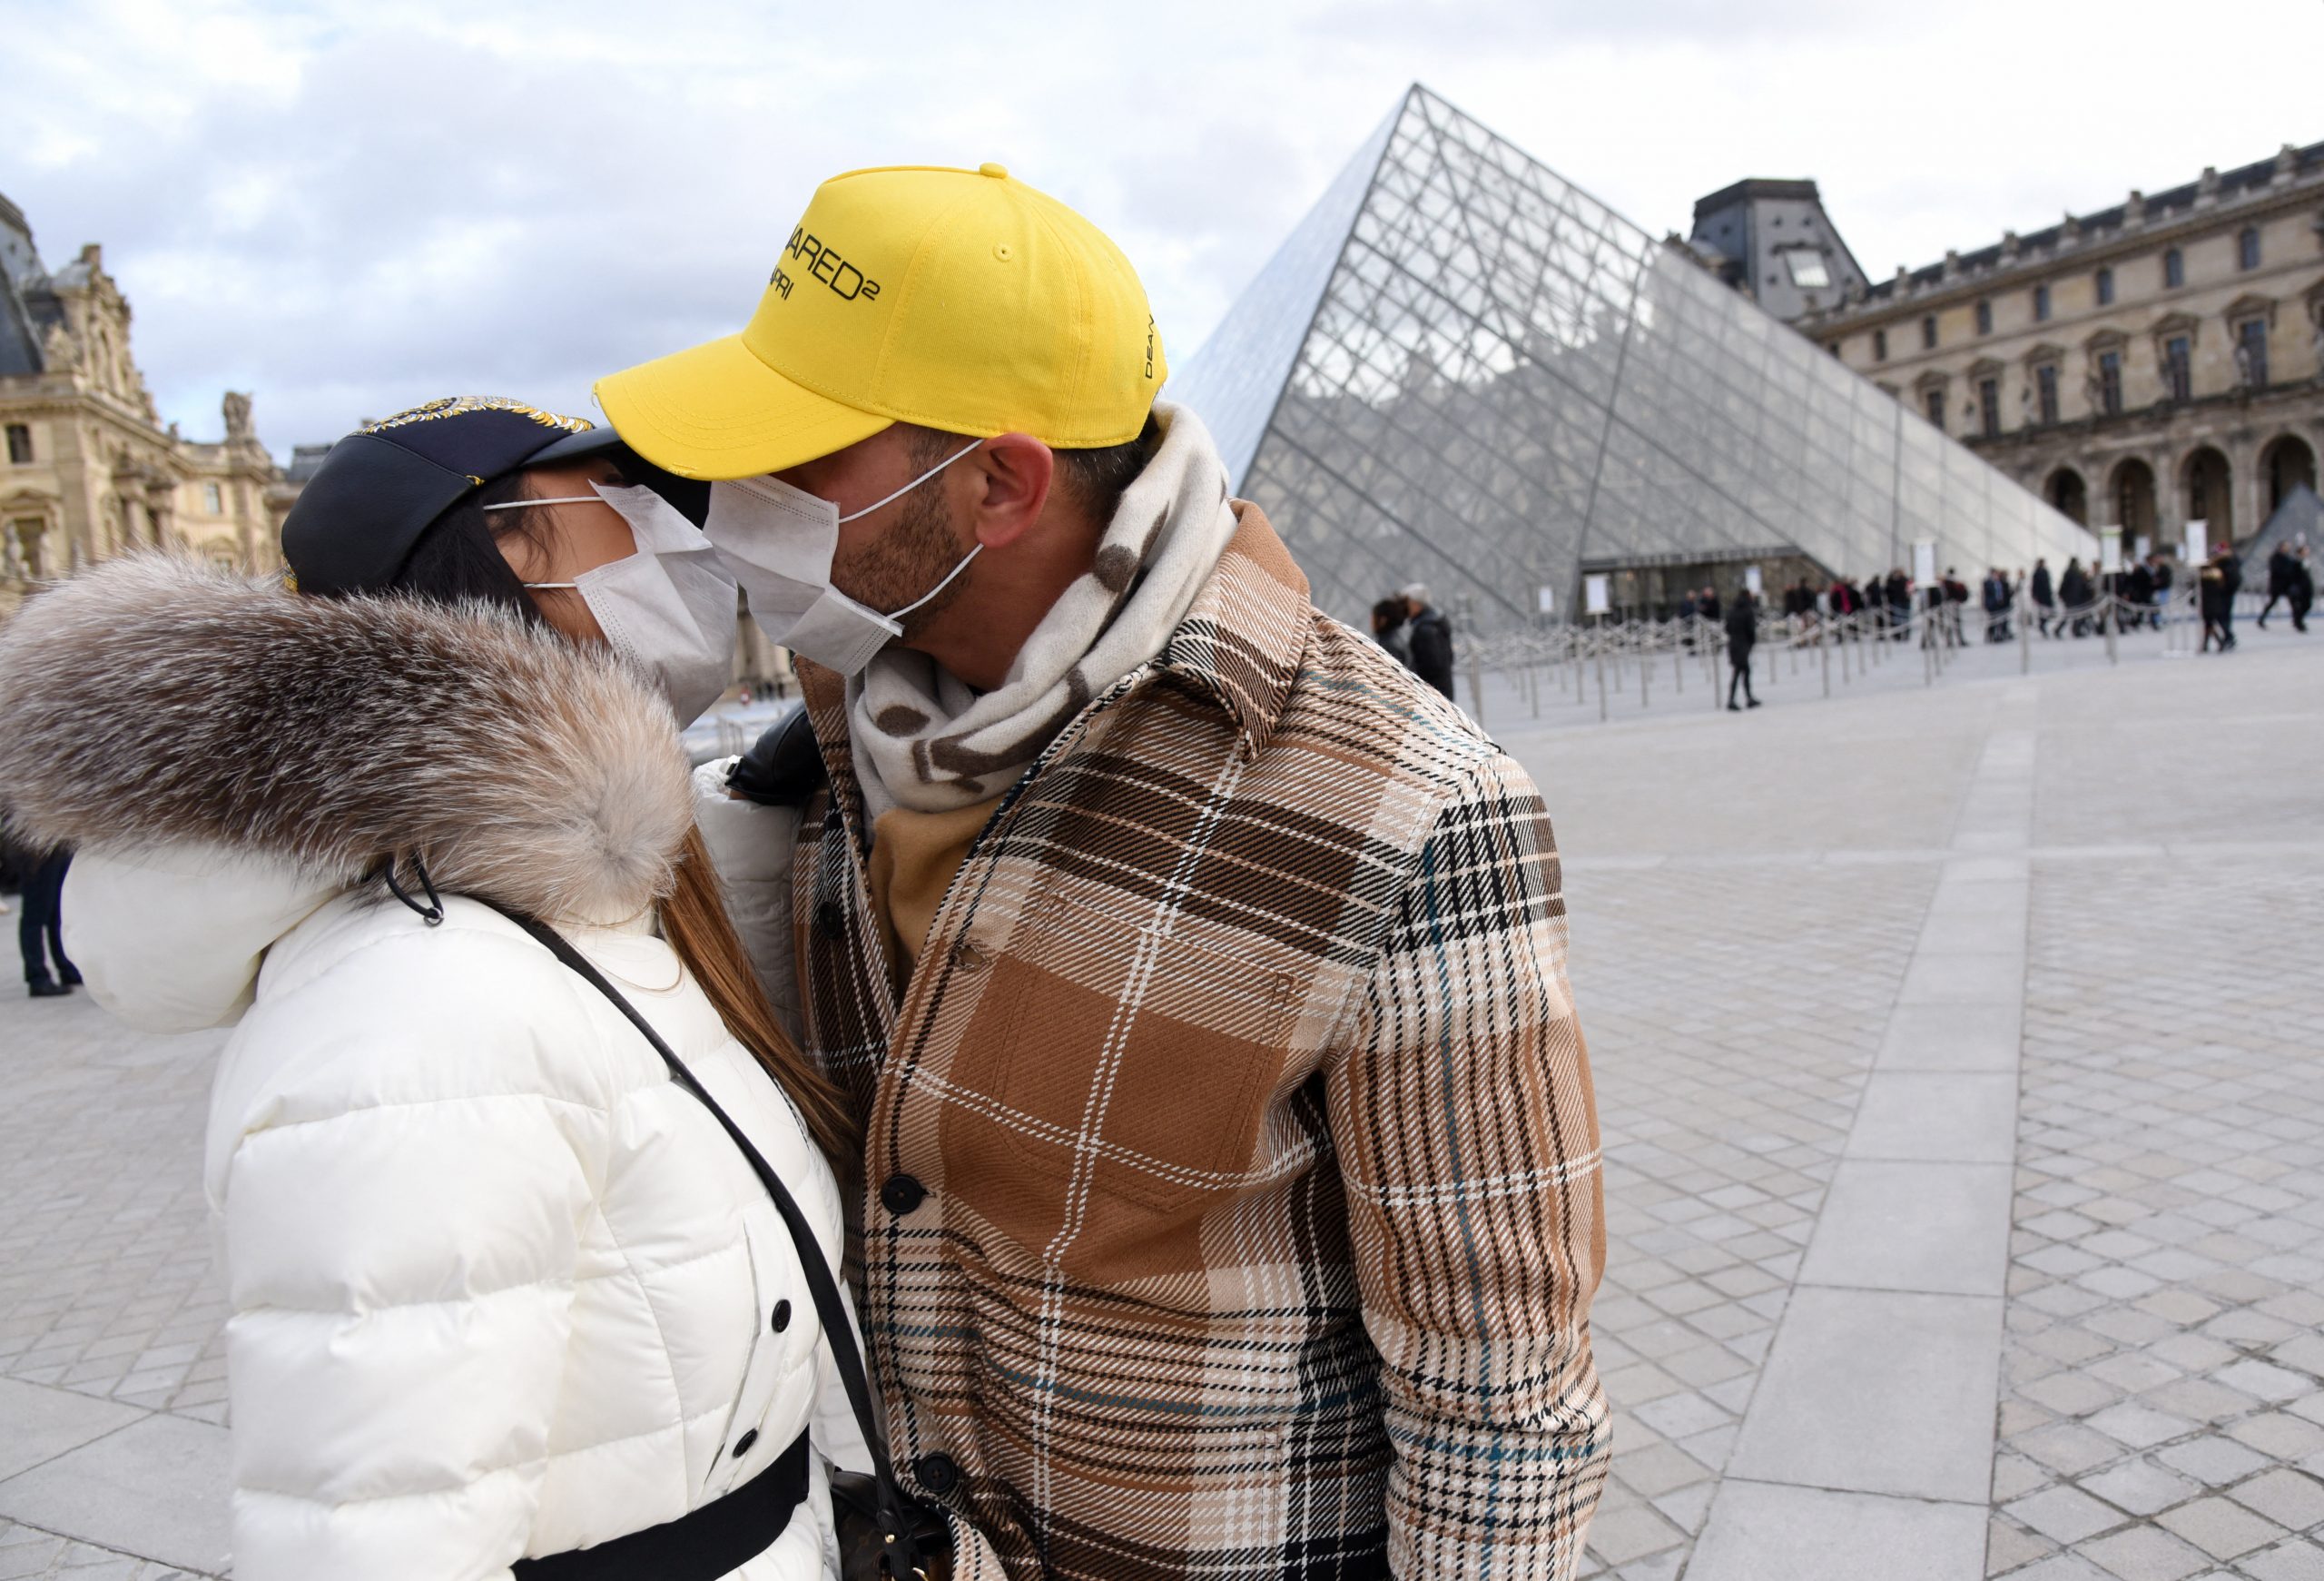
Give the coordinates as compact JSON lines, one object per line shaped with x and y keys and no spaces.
{"x":2068,"y":603}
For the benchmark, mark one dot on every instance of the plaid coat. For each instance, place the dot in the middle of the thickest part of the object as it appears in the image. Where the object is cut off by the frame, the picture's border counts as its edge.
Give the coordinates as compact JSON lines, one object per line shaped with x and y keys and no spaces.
{"x":1232,"y":1203}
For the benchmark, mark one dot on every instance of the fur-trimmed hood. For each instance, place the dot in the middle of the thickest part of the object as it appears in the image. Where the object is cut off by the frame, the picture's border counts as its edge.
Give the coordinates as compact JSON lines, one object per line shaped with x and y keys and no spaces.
{"x":155,"y":702}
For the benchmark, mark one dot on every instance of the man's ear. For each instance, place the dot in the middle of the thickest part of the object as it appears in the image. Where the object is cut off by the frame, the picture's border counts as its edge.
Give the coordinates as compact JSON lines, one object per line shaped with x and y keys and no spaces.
{"x":1014,"y":473}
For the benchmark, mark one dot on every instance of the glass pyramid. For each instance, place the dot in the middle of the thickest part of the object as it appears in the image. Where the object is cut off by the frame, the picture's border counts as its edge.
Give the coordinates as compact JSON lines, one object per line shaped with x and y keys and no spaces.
{"x":1461,"y":369}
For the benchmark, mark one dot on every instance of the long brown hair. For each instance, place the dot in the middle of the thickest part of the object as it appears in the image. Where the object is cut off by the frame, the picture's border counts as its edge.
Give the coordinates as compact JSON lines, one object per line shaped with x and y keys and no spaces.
{"x":696,"y":923}
{"x":462,"y":557}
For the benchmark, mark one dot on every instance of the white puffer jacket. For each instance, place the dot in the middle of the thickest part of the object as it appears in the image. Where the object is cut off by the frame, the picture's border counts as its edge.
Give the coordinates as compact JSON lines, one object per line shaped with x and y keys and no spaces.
{"x":500,"y":1287}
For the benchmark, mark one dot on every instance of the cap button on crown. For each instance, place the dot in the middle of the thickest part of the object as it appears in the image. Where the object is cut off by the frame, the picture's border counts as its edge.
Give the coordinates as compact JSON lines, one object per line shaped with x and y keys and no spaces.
{"x":996,"y":171}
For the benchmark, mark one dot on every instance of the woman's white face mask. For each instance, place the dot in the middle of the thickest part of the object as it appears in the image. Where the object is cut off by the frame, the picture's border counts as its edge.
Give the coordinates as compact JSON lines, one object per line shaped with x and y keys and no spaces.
{"x":668,"y":608}
{"x":779,"y":541}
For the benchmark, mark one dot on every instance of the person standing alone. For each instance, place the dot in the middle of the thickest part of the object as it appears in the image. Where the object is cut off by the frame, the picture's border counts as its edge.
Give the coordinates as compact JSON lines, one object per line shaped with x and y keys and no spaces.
{"x":1431,"y":636}
{"x":39,"y":931}
{"x":2279,"y":582}
{"x":1742,"y":637}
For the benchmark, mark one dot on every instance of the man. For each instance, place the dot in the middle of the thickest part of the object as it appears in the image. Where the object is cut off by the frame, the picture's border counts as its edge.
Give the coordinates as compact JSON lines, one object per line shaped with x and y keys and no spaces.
{"x":1742,"y":637}
{"x":2279,"y":582}
{"x":2222,"y":580}
{"x":2138,"y":592}
{"x":39,"y":931}
{"x":1230,"y":1195}
{"x":2074,"y":594}
{"x":2045,"y":597}
{"x":1430,"y":635}
{"x":2303,"y":588}
{"x":1957,"y":598}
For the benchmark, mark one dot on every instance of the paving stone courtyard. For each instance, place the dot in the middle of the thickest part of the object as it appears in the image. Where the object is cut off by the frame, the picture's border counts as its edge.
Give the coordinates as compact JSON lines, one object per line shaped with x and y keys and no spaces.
{"x":1960,"y":1068}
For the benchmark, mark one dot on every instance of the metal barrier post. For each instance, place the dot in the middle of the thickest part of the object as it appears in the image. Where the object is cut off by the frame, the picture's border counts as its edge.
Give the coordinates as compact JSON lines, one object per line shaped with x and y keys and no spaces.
{"x":2110,"y":629}
{"x":1824,"y":652}
{"x":1601,"y":677}
{"x":1476,"y":685}
{"x":2024,"y":618}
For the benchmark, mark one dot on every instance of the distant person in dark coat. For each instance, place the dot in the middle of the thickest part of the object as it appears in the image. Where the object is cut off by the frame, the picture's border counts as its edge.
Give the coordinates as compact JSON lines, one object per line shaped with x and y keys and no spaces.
{"x":1388,"y":631}
{"x":2222,"y":575}
{"x":2302,"y":593}
{"x":1900,"y":603}
{"x":1706,"y":603}
{"x":1993,"y":594}
{"x":2074,"y":594}
{"x":2045,"y":597}
{"x":1742,"y":637}
{"x":40,"y":930}
{"x":2279,"y":572}
{"x":1431,"y":636}
{"x":2162,"y":582}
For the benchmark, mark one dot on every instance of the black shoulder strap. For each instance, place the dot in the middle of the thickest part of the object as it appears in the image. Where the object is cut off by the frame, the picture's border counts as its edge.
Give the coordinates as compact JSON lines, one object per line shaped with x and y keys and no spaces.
{"x":839,"y":1332}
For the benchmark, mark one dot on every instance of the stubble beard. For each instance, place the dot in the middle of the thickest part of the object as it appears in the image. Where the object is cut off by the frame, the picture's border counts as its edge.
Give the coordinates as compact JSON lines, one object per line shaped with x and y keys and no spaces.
{"x":901,"y":566}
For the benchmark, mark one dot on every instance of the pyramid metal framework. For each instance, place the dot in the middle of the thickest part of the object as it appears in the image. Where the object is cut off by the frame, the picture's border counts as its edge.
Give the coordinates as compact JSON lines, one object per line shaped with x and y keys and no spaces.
{"x":1460,"y":369}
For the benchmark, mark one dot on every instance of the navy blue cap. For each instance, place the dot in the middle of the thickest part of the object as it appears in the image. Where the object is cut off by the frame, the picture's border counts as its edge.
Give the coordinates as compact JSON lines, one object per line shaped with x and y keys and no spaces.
{"x":382,"y":488}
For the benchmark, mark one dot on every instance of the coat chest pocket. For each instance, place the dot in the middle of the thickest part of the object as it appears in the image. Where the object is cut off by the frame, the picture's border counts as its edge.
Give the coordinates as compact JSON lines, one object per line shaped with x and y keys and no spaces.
{"x":1133,"y":1060}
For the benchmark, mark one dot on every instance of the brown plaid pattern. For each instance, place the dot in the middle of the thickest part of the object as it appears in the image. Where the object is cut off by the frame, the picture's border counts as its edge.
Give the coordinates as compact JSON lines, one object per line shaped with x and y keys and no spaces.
{"x":1232,"y":1202}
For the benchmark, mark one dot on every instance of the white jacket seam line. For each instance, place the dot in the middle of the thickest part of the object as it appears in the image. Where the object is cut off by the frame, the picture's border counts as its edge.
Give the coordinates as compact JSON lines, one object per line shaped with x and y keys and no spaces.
{"x":469,"y":1297}
{"x":572,"y":983}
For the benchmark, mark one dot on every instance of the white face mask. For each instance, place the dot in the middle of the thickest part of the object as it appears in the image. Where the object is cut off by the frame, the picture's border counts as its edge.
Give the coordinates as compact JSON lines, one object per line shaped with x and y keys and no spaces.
{"x":779,"y":541}
{"x":669,"y":607}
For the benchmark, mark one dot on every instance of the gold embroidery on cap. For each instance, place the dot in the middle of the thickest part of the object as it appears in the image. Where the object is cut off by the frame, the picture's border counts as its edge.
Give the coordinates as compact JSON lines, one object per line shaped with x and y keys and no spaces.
{"x":458,"y":405}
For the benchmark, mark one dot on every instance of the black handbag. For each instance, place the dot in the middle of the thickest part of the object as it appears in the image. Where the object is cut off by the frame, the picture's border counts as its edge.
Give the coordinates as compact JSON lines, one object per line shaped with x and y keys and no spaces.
{"x":883,"y":1532}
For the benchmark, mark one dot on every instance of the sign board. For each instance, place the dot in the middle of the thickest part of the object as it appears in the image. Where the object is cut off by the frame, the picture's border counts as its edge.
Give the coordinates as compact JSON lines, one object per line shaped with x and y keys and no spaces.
{"x":2110,"y":549}
{"x":1549,"y":600}
{"x":2197,"y":549}
{"x":1924,"y":561}
{"x":1751,"y":580}
{"x":1596,"y":594}
{"x":2138,"y":541}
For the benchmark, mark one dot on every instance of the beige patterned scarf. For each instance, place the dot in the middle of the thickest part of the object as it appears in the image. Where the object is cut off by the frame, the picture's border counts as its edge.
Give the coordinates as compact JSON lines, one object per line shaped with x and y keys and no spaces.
{"x":925,"y":741}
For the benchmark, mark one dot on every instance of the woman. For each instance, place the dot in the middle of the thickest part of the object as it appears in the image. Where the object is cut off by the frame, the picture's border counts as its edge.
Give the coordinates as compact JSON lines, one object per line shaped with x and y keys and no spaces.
{"x":502,"y":1290}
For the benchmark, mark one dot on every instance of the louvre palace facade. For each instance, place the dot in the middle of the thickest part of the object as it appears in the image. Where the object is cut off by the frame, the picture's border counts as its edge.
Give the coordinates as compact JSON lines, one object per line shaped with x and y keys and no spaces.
{"x":2153,"y":363}
{"x":89,"y":469}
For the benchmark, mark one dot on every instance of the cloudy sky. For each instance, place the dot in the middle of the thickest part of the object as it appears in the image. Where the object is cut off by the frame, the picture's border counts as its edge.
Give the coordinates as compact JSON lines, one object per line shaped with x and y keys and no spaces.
{"x":347,"y":206}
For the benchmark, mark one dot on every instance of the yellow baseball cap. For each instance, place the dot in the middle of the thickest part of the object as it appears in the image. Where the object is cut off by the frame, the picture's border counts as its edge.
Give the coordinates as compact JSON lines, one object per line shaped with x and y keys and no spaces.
{"x":960,"y":299}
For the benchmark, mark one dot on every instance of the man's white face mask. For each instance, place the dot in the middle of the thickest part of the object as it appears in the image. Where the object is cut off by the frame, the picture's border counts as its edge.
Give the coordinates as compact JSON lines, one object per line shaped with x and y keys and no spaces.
{"x":779,"y":543}
{"x":669,"y":607}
